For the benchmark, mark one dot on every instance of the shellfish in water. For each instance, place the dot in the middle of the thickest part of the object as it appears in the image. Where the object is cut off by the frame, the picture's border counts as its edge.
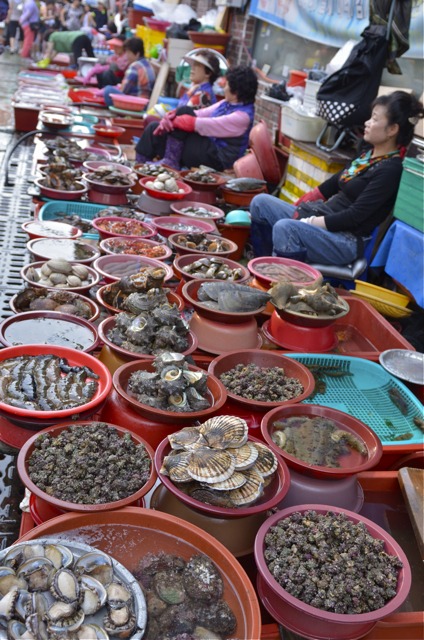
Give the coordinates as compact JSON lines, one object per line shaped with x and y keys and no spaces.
{"x":315,"y":440}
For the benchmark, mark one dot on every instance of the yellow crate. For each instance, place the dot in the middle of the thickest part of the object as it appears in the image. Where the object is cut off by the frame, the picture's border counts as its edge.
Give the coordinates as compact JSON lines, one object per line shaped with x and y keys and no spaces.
{"x":331,"y":167}
{"x":151,"y":38}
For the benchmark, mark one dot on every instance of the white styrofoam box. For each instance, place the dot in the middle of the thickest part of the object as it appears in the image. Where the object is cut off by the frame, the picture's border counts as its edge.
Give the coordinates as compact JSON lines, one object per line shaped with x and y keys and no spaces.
{"x":298,"y":127}
{"x":177,"y":48}
{"x":311,"y":88}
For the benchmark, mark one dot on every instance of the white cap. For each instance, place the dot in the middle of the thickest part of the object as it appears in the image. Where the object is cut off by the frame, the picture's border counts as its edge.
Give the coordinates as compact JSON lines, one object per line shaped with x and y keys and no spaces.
{"x":197,"y":57}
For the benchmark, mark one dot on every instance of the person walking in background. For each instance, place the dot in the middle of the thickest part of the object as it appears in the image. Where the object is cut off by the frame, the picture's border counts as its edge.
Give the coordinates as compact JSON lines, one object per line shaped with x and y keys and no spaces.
{"x":215,"y":136}
{"x":12,"y":25}
{"x":331,"y":223}
{"x":100,"y":16}
{"x":71,"y":16}
{"x":29,"y":21}
{"x":139,"y":77}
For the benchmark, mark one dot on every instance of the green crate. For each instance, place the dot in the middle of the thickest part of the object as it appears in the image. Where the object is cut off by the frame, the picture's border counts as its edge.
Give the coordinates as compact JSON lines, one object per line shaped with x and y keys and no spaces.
{"x":409,"y":205}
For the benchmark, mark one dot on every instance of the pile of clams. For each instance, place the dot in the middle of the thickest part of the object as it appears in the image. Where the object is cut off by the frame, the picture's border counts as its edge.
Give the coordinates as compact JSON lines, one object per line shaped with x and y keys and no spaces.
{"x":213,"y":268}
{"x":201,"y":242}
{"x":32,"y":299}
{"x":49,"y":592}
{"x":155,"y":170}
{"x":172,"y":386}
{"x":106,"y":174}
{"x":150,"y":325}
{"x":230,"y":297}
{"x":164,"y":182}
{"x":60,"y":274}
{"x":216,"y":464}
{"x":184,"y":598}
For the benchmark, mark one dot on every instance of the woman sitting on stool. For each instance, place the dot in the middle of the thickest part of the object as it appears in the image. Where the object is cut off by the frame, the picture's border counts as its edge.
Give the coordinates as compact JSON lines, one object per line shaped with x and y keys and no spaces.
{"x":215,"y":136}
{"x":329,"y":224}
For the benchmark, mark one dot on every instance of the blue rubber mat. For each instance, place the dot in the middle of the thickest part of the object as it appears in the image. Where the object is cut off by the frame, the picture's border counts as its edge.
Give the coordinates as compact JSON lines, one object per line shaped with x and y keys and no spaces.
{"x":364,"y":394}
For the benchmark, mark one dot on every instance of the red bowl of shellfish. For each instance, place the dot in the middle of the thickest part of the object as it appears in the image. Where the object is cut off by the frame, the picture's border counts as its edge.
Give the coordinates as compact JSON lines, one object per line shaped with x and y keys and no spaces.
{"x":61,"y":194}
{"x":115,"y":226}
{"x":214,"y":213}
{"x":270,"y":269}
{"x":37,"y":299}
{"x":52,"y":229}
{"x":268,"y":496}
{"x":55,"y":431}
{"x":31,"y":418}
{"x":136,"y":247}
{"x":108,"y":324}
{"x":167,"y":225}
{"x":184,"y":190}
{"x":266,"y":360}
{"x":199,"y":185}
{"x":102,"y":294}
{"x":190,"y":290}
{"x":33,"y":270}
{"x":113,"y":268}
{"x":181,"y":262}
{"x":222,"y":246}
{"x":362,"y":448}
{"x":216,"y":394}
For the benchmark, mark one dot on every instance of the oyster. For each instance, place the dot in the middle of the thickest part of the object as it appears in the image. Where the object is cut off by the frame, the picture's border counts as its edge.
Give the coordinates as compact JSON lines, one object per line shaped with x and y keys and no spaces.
{"x":210,"y":465}
{"x":222,"y":432}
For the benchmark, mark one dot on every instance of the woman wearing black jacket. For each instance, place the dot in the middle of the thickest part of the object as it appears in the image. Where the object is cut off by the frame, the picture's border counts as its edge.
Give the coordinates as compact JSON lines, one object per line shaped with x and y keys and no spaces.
{"x":329,"y":224}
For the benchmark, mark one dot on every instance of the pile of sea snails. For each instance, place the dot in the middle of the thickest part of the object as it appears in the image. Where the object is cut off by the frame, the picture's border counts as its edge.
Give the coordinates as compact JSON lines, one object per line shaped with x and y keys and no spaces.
{"x":172,"y":386}
{"x":216,"y":464}
{"x":312,"y":300}
{"x":60,"y":274}
{"x":150,"y":325}
{"x":48,"y":593}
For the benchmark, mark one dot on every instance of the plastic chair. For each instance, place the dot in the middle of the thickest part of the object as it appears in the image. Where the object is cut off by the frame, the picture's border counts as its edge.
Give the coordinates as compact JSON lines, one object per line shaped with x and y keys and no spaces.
{"x":346,"y":274}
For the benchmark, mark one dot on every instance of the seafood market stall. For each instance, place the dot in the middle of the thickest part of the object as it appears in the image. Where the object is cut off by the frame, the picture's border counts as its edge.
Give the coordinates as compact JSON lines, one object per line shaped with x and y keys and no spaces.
{"x":185,"y":420}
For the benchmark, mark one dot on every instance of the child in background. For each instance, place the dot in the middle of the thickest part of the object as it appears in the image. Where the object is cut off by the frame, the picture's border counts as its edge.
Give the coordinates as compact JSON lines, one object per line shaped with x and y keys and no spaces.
{"x":112,"y":72}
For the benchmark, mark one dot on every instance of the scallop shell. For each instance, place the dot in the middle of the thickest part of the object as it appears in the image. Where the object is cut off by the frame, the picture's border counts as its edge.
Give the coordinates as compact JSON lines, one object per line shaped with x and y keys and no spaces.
{"x":175,"y":466}
{"x":185,"y":438}
{"x":266,"y":462}
{"x":250,"y":491}
{"x":235,"y":481}
{"x":208,"y":496}
{"x":223,"y":432}
{"x":210,"y":466}
{"x":244,"y":456}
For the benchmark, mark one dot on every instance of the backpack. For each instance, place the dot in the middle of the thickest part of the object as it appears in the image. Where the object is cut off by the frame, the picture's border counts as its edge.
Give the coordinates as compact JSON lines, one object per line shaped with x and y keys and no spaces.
{"x":345,"y":97}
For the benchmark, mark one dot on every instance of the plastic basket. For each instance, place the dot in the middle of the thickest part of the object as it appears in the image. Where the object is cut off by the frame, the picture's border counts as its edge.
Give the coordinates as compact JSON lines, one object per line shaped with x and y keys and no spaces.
{"x":85,"y":210}
{"x":364,"y":393}
{"x":388,"y":303}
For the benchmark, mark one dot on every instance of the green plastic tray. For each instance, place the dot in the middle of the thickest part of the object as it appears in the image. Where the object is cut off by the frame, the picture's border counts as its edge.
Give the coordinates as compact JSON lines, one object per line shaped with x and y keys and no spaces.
{"x":365,"y":395}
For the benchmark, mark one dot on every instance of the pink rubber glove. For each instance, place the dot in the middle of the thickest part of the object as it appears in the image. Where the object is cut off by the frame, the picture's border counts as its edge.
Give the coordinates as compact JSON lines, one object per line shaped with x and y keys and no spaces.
{"x":185,"y":123}
{"x":164,"y":126}
{"x":311,"y":196}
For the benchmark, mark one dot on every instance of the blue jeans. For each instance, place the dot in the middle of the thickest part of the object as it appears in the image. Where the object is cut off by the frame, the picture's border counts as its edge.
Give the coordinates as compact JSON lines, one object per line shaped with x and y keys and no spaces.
{"x":107,"y":91}
{"x":273,"y":232}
